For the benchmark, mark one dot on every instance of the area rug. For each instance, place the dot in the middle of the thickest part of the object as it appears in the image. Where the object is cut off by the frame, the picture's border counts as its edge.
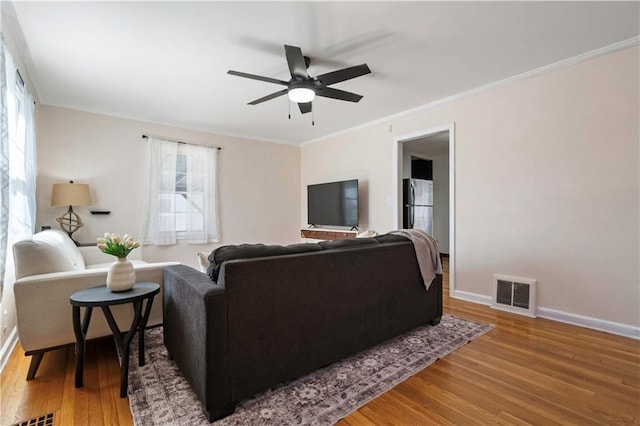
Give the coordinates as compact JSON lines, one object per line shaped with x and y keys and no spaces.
{"x":159,"y":395}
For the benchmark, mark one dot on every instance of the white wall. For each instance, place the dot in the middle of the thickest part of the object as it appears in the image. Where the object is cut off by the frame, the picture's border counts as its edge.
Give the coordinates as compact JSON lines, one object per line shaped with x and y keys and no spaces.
{"x":547,"y":183}
{"x":365,"y":158}
{"x":258,"y":182}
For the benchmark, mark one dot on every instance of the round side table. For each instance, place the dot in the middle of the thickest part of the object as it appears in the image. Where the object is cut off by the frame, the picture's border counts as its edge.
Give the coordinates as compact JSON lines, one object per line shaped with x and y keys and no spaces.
{"x":102,"y":297}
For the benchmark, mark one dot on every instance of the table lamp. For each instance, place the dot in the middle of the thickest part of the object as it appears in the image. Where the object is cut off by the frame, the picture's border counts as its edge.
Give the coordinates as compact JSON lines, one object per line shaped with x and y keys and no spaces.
{"x":70,"y":194}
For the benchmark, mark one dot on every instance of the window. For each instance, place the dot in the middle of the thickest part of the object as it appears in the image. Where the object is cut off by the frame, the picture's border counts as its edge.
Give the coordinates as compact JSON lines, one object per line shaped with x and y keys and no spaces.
{"x":189,"y":195}
{"x":182,"y":194}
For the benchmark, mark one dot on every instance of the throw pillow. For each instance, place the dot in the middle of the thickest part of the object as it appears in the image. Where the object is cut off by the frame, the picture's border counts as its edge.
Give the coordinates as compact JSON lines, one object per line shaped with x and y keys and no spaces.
{"x":203,"y":261}
{"x":367,"y":234}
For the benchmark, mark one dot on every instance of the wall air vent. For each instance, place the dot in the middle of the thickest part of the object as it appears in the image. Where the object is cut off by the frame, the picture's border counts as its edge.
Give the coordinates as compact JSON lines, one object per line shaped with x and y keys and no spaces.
{"x":514,"y":294}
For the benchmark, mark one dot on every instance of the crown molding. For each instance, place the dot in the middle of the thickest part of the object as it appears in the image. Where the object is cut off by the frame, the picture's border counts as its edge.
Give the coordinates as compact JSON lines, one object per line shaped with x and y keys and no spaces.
{"x":210,"y":131}
{"x":12,"y":34}
{"x":500,"y":83}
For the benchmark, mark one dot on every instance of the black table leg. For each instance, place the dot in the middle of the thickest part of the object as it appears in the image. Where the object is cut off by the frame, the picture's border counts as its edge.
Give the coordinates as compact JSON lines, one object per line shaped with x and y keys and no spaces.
{"x":143,"y":325}
{"x":80,"y":330}
{"x":124,"y":341}
{"x":124,"y":380}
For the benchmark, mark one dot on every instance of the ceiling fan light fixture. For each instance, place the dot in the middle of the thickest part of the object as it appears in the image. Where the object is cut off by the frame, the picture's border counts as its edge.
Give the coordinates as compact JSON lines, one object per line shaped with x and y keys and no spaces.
{"x":301,"y":95}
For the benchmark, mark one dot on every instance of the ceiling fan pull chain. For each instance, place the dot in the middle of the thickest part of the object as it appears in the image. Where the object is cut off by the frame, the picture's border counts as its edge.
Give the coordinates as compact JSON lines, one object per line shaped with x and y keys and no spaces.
{"x":289,"y":109}
{"x":313,"y":115}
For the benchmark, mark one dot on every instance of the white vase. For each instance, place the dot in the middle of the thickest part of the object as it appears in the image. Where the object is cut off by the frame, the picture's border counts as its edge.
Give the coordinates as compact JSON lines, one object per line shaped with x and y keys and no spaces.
{"x":121,"y":275}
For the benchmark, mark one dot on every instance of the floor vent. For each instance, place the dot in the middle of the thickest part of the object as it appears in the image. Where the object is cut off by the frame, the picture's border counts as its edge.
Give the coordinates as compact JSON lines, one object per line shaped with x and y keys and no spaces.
{"x":46,"y":420}
{"x":514,"y":294}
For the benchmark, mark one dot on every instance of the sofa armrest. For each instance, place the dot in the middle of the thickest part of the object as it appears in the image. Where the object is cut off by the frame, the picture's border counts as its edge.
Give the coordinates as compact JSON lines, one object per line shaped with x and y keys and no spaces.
{"x":44,"y":312}
{"x":195,"y":332}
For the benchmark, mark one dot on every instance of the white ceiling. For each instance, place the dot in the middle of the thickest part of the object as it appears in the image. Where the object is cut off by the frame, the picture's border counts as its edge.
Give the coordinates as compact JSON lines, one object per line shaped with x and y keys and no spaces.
{"x":166,"y":62}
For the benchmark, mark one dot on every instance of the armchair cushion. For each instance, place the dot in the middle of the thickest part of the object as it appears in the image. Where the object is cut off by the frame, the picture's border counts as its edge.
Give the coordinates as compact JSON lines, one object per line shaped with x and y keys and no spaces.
{"x":46,"y":252}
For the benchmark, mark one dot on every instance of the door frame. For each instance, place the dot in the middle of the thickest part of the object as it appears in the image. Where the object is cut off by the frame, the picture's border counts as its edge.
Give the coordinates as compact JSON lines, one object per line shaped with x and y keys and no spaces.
{"x":397,"y":188}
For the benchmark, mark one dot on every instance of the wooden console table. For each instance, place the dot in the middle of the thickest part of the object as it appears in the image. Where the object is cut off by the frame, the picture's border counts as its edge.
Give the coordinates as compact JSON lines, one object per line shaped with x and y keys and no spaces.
{"x":327,"y":234}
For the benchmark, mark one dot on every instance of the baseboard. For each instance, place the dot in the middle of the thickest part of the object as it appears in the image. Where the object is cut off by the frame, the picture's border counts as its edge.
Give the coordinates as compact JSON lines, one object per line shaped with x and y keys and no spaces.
{"x":473,"y":297}
{"x":7,"y":348}
{"x":561,"y":316}
{"x":589,"y":322}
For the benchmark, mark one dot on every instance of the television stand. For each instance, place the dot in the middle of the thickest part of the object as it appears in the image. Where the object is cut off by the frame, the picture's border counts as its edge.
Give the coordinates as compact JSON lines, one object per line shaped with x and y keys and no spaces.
{"x":327,"y":234}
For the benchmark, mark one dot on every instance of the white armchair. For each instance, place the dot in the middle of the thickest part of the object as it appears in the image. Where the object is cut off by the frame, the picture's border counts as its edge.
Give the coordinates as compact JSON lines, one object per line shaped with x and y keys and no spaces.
{"x":49,"y":268}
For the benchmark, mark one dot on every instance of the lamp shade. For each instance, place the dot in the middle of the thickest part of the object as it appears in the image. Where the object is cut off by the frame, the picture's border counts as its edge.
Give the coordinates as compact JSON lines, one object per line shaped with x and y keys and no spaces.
{"x":70,"y":194}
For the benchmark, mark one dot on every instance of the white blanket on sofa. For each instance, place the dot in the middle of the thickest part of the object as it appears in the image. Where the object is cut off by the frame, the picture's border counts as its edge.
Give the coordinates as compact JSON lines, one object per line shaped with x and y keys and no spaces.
{"x":427,"y":253}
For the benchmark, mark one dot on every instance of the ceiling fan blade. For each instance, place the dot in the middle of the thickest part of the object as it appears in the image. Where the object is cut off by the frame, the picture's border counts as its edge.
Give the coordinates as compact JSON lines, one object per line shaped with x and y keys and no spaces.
{"x":258,"y":77}
{"x":343,"y":74}
{"x":296,"y":61}
{"x":330,"y":92}
{"x":269,"y":97}
{"x":305,"y":107}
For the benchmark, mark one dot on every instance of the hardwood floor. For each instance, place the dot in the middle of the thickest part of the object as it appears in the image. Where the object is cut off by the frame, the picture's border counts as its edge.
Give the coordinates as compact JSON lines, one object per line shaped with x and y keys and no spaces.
{"x":525,"y":371}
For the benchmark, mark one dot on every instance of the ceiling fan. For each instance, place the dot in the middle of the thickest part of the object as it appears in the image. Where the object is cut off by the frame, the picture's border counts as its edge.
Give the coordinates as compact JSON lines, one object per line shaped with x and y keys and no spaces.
{"x":302,"y":88}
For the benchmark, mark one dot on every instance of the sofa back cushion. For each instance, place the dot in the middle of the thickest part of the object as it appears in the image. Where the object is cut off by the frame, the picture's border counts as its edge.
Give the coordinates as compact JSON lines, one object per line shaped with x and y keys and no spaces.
{"x":391,"y":238}
{"x":252,"y":251}
{"x":47,"y":251}
{"x":347,"y":243}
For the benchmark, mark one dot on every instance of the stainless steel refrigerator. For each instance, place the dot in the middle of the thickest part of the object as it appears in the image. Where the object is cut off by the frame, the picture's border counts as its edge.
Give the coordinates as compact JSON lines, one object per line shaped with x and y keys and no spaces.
{"x":418,"y":204}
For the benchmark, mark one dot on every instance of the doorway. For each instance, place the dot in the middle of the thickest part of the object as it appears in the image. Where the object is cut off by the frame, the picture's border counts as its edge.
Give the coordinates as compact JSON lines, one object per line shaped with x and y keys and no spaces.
{"x":437,"y":145}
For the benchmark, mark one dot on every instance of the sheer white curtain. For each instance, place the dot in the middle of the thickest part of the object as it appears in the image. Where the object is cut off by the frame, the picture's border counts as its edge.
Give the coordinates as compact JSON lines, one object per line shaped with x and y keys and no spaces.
{"x":159,"y":226}
{"x":17,"y":164}
{"x":181,"y":199}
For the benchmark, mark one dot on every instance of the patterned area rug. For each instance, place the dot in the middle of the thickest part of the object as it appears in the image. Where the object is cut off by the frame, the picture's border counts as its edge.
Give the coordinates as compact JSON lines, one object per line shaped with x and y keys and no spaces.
{"x":159,"y":395}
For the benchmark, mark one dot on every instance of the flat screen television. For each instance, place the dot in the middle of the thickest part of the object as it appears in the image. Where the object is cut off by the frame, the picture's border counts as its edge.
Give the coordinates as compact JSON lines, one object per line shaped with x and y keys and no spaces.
{"x":333,"y":203}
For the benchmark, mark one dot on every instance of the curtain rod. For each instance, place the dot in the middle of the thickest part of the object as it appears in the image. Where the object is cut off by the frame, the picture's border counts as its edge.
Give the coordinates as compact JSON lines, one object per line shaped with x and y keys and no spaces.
{"x":180,"y":142}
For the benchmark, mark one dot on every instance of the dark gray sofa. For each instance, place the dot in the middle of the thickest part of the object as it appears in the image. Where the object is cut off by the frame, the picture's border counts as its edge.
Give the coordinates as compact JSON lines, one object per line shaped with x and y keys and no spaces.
{"x":271,"y":319}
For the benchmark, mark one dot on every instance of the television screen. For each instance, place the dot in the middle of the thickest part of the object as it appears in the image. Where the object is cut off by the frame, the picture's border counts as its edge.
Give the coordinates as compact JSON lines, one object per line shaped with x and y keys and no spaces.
{"x":334,"y":203}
